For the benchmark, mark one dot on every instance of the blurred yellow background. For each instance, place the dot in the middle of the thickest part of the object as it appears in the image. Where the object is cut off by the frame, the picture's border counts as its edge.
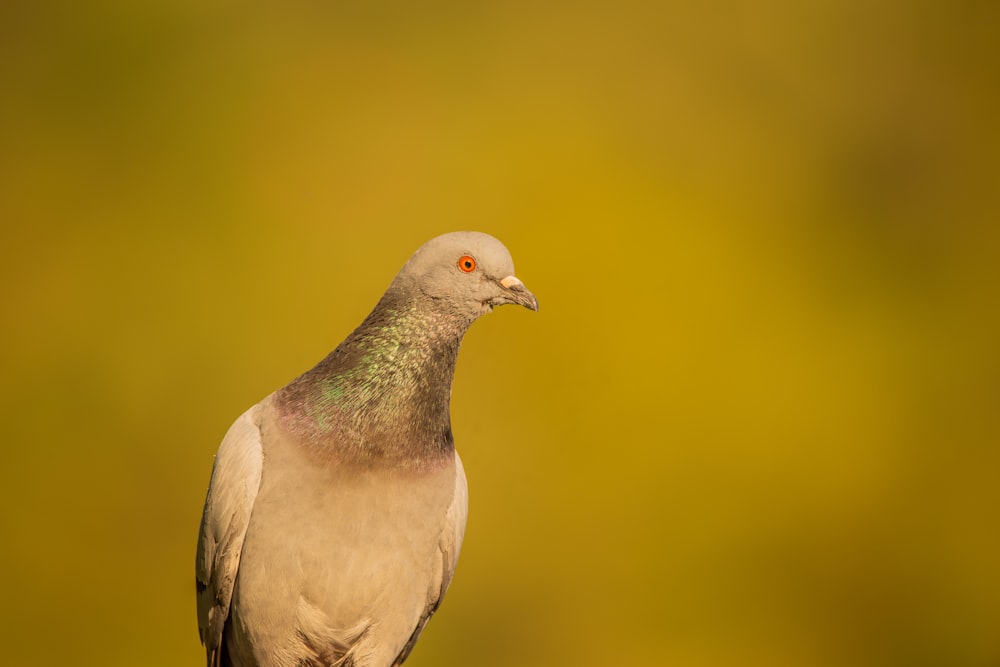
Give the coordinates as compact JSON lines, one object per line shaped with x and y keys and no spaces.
{"x":754,"y":423}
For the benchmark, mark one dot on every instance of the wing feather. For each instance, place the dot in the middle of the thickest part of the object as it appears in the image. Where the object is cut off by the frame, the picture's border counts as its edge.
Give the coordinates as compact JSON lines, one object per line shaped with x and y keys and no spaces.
{"x":450,"y":546}
{"x":231,"y":493}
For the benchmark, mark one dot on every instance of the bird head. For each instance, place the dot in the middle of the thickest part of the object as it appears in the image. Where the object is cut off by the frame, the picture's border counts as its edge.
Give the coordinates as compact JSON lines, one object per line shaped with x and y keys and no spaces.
{"x":468,"y":273}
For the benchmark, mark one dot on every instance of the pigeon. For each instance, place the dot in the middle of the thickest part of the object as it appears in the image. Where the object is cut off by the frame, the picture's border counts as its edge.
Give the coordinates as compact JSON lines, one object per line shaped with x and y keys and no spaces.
{"x":337,"y":505}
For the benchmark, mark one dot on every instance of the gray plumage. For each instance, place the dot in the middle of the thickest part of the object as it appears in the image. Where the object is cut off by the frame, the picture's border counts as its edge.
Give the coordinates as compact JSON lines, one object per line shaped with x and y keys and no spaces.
{"x":337,"y":505}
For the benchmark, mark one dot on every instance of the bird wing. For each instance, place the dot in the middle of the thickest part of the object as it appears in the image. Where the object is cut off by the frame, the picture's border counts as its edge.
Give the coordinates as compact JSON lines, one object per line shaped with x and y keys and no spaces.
{"x":450,"y":545}
{"x":231,"y":493}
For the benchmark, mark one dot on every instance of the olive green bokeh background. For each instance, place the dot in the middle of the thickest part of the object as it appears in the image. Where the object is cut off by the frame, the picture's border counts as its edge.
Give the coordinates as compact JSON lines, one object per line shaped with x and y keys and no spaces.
{"x":754,"y":423}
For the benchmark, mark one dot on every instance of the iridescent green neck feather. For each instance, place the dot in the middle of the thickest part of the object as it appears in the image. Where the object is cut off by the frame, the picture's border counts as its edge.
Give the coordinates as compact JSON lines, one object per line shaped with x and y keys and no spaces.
{"x":382,"y":396}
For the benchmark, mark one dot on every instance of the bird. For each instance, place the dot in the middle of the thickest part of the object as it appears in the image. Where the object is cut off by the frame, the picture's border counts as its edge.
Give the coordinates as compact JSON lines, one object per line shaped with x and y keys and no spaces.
{"x":337,"y":505}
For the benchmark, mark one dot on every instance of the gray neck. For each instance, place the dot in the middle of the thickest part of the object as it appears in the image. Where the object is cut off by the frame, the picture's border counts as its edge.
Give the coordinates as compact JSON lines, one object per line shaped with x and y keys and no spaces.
{"x":383,"y":395}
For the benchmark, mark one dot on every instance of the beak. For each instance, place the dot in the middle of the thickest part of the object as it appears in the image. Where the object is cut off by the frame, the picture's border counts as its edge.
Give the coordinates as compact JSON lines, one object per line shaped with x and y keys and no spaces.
{"x":515,"y":292}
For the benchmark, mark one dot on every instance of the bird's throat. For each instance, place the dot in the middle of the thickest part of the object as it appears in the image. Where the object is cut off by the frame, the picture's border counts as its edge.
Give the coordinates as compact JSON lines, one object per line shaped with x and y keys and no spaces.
{"x":381,"y":397}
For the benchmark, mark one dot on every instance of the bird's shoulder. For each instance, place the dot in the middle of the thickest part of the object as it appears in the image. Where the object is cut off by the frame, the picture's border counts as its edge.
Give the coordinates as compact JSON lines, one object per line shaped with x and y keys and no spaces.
{"x":235,"y":481}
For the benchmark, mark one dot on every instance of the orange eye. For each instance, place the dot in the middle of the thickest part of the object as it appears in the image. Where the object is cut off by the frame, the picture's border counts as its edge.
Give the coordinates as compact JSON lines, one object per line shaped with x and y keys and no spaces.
{"x":467,"y":263}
